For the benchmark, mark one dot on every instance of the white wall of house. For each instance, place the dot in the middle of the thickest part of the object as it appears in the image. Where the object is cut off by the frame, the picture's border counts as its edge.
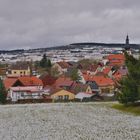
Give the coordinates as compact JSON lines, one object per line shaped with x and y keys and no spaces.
{"x":19,"y":93}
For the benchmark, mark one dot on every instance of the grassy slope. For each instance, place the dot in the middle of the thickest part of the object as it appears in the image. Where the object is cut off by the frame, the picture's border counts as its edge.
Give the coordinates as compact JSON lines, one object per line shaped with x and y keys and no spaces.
{"x":135,"y":109}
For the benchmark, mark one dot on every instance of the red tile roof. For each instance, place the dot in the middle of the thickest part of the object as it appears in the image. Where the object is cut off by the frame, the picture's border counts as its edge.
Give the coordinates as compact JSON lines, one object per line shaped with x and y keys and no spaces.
{"x":106,"y":70}
{"x":100,"y":74}
{"x":48,"y":80}
{"x":116,"y":62}
{"x":9,"y":82}
{"x":30,"y":81}
{"x":116,"y":57}
{"x":103,"y":81}
{"x":100,"y":80}
{"x":26,"y":81}
{"x":63,"y":81}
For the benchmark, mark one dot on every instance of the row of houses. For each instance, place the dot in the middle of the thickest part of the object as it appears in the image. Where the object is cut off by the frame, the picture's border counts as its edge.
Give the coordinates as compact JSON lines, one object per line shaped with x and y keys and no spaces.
{"x":96,"y":81}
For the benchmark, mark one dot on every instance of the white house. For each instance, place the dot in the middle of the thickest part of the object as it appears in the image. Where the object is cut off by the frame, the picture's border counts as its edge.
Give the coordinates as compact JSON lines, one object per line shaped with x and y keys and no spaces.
{"x":20,"y":93}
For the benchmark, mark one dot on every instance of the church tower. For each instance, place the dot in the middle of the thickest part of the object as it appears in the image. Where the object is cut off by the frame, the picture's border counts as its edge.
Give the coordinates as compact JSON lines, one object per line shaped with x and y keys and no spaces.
{"x":127,"y":46}
{"x":127,"y":41}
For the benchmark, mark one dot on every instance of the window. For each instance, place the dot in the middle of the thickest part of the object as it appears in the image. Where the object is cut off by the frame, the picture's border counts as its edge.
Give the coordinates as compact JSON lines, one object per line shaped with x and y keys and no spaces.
{"x":106,"y":90}
{"x":60,"y":97}
{"x":22,"y":94}
{"x":66,"y":97}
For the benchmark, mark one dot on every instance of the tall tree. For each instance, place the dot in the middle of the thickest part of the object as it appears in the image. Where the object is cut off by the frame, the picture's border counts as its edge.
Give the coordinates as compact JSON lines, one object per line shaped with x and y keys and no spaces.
{"x":43,"y":62}
{"x":74,"y":75}
{"x":130,"y":86}
{"x":49,"y":64}
{"x":3,"y":93}
{"x":129,"y":91}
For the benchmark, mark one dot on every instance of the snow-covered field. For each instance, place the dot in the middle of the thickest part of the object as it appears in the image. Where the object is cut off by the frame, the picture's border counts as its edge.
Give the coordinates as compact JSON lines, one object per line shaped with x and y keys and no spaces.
{"x":70,"y":121}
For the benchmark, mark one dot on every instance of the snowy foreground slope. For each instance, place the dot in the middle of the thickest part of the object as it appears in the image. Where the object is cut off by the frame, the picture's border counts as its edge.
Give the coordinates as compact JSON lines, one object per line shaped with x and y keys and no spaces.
{"x":70,"y":121}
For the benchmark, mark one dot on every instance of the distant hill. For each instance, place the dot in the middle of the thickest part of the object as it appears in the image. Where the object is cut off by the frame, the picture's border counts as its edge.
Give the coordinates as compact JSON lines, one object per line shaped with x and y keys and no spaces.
{"x":112,"y":45}
{"x":71,"y":46}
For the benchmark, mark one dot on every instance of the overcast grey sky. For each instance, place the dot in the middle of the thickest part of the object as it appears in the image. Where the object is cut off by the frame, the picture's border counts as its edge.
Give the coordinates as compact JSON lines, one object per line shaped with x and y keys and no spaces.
{"x":44,"y":23}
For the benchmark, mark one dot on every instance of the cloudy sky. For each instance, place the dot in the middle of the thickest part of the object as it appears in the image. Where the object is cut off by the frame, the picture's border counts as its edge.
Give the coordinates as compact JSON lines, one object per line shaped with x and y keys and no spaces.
{"x":44,"y":23}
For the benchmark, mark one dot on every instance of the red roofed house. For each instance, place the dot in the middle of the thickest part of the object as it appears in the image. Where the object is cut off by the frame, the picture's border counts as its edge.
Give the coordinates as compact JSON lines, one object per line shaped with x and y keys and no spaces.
{"x":105,"y":84}
{"x":47,"y":79}
{"x":63,"y":82}
{"x":27,"y":87}
{"x":78,"y":87}
{"x":62,"y":67}
{"x":116,"y":59}
{"x":63,"y":95}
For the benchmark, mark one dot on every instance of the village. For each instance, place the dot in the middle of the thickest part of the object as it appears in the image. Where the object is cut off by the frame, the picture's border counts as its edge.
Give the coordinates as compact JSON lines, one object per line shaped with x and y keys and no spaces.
{"x":86,"y":80}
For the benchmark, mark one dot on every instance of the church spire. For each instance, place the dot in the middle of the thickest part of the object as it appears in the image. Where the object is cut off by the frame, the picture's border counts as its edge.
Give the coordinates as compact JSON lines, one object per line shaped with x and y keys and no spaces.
{"x":127,"y":41}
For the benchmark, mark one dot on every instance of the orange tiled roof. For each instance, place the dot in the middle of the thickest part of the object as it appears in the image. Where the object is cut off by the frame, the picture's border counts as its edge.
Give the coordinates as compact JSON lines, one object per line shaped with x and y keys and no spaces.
{"x":8,"y":82}
{"x":106,"y":70}
{"x":116,"y":57}
{"x":103,"y":81}
{"x":116,"y":62}
{"x":30,"y":81}
{"x":100,"y":80}
{"x":26,"y":81}
{"x":100,"y":74}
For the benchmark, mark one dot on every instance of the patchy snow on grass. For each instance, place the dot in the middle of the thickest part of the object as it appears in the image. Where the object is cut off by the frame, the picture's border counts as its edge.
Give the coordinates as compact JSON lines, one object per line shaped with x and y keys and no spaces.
{"x":67,"y":121}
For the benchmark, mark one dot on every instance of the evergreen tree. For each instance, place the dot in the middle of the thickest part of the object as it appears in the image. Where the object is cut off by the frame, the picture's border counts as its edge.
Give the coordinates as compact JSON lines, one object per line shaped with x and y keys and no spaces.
{"x":3,"y":93}
{"x":129,"y":91}
{"x":43,"y":62}
{"x":74,"y":75}
{"x":49,"y":64}
{"x":130,"y":86}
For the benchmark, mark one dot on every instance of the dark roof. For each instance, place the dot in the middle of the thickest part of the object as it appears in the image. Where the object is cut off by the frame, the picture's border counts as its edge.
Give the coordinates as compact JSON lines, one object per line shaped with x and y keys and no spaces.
{"x":93,"y":85}
{"x":78,"y":87}
{"x":20,"y":66}
{"x":63,"y":64}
